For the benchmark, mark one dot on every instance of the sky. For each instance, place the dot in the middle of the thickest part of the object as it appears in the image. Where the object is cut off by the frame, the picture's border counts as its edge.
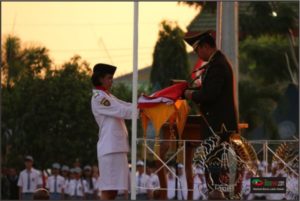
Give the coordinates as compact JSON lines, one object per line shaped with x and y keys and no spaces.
{"x":97,"y":31}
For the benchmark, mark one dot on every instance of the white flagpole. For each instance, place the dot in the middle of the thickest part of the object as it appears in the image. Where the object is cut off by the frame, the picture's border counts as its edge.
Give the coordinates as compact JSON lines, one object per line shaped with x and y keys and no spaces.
{"x":227,"y":41}
{"x":134,"y":100}
{"x":227,"y":36}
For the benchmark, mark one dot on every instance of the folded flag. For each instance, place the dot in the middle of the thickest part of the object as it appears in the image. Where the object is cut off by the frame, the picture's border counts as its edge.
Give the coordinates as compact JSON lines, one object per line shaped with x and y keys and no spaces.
{"x":168,"y":95}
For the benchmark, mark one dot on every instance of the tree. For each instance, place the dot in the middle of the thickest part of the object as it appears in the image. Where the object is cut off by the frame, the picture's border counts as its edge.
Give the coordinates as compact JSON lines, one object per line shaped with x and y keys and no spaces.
{"x":15,"y":65}
{"x":260,"y":17}
{"x":18,"y":62}
{"x":263,"y":59}
{"x":11,"y":66}
{"x":50,"y":118}
{"x":212,"y":6}
{"x":256,"y":104}
{"x":36,"y":61}
{"x":264,"y":76}
{"x":170,"y":59}
{"x":265,"y":20}
{"x":46,"y":113}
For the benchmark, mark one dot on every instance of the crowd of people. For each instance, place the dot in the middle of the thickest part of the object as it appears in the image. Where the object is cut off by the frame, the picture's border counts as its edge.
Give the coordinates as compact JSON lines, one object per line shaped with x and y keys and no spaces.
{"x":61,"y":183}
{"x":76,"y":183}
{"x":148,"y":183}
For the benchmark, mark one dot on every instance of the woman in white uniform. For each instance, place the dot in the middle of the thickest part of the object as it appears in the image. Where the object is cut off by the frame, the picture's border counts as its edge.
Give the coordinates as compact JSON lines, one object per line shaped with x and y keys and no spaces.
{"x":112,"y":146}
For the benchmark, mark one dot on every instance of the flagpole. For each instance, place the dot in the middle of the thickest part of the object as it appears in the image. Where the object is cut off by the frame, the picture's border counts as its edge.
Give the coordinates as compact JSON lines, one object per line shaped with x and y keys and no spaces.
{"x":227,"y":36}
{"x":227,"y":41}
{"x":134,"y":100}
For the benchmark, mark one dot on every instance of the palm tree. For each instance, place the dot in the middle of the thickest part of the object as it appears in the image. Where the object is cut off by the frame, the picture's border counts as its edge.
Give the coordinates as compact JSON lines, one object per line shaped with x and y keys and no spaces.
{"x":11,"y":59}
{"x":17,"y":62}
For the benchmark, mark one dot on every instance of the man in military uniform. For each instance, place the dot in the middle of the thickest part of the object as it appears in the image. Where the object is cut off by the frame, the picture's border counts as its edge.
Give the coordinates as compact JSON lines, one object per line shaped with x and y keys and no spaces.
{"x":215,"y":96}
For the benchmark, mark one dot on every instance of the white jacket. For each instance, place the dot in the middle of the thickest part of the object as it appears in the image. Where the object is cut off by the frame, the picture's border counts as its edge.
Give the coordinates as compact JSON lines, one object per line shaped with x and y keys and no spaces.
{"x":109,"y":113}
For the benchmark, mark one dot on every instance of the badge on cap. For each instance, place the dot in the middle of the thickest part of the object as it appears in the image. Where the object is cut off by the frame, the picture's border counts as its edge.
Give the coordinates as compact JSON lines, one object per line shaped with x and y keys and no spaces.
{"x":105,"y":102}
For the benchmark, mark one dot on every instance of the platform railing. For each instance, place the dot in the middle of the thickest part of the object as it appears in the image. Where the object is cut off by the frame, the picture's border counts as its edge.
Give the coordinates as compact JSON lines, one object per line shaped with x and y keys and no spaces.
{"x":265,"y":148}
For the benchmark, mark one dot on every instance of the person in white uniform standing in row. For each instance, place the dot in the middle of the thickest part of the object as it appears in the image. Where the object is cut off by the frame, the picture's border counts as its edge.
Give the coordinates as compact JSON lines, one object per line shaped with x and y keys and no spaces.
{"x":181,"y":183}
{"x":200,"y":189}
{"x":56,"y":183}
{"x":112,"y":146}
{"x":153,"y":182}
{"x":77,"y":186}
{"x":171,"y":183}
{"x":91,"y":191}
{"x":29,"y":180}
{"x":142,"y":179}
{"x":65,"y":170}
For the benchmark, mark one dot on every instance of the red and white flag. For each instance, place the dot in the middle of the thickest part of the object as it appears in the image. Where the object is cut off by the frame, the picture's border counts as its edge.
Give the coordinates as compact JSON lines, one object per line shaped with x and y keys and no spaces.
{"x":167,"y":95}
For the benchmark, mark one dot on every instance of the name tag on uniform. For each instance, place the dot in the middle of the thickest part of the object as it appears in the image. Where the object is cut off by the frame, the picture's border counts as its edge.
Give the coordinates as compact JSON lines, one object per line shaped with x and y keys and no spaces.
{"x":105,"y":102}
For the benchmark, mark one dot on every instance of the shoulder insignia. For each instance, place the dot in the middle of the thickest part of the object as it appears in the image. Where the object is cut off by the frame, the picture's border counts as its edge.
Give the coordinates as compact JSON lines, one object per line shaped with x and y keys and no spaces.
{"x":105,"y":102}
{"x":95,"y":94}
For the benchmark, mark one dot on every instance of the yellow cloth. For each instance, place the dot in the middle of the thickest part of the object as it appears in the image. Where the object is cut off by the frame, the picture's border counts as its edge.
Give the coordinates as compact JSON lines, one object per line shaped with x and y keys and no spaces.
{"x":162,"y":112}
{"x":182,"y":109}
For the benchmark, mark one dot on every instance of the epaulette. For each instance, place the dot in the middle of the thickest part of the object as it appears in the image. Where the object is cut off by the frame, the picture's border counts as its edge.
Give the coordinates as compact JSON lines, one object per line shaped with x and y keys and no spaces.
{"x":96,"y":93}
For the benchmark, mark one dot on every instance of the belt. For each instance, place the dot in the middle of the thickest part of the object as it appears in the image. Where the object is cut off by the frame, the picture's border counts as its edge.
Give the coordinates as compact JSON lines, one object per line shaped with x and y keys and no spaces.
{"x":141,"y":193}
